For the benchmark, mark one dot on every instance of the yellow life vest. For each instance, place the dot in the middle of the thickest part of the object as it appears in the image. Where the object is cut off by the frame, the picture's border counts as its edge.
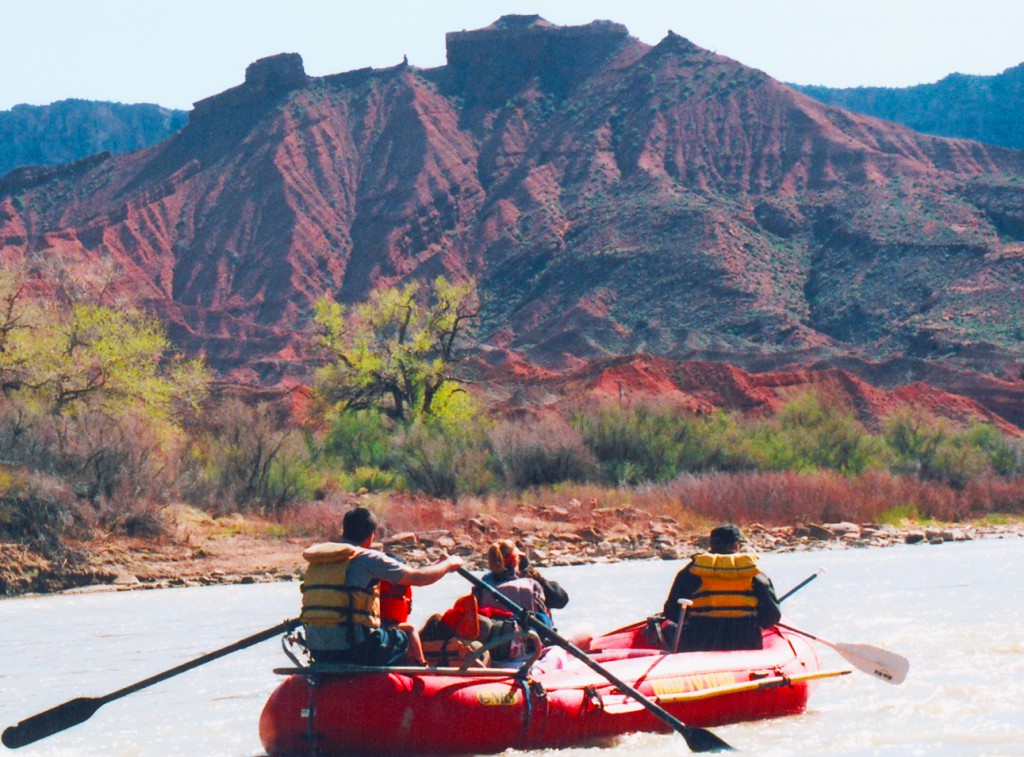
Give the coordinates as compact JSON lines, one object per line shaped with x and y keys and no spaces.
{"x":726,"y":585}
{"x":326,"y":598}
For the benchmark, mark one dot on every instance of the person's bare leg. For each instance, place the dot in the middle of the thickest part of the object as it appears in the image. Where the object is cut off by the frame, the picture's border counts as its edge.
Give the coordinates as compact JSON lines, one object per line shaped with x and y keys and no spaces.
{"x":415,"y":653}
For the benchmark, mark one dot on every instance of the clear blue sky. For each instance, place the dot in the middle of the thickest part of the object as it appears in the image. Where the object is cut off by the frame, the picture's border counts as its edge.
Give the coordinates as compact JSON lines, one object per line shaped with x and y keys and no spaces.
{"x":175,"y":52}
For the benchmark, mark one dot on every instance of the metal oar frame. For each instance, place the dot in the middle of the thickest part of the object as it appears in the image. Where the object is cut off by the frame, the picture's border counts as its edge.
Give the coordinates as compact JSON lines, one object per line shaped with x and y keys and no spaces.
{"x":306,"y":666}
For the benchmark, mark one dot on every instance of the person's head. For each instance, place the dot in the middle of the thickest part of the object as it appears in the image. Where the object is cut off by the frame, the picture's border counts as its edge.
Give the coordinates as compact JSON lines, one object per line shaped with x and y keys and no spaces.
{"x":726,"y":538}
{"x":503,"y":555}
{"x":358,"y":525}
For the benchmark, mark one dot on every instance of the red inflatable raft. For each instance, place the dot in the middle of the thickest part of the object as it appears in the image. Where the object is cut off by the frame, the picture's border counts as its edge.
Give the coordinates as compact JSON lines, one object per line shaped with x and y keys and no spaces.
{"x":557,"y":702}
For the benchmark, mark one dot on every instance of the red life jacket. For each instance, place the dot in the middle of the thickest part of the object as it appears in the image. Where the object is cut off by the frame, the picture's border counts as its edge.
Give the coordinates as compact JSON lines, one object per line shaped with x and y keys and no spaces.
{"x":395,"y":601}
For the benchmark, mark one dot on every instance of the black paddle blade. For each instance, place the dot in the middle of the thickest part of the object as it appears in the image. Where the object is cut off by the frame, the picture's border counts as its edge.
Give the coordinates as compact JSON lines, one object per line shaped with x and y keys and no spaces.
{"x":52,"y":721}
{"x":701,"y":740}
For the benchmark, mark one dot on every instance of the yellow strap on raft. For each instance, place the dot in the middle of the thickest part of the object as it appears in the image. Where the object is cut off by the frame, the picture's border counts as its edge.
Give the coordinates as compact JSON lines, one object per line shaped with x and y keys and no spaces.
{"x":620,"y":704}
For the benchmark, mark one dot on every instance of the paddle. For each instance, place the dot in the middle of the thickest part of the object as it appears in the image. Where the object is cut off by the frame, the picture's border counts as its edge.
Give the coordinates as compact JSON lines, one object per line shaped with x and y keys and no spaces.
{"x":801,"y":585}
{"x":887,"y":666}
{"x":76,"y":711}
{"x":698,"y":739}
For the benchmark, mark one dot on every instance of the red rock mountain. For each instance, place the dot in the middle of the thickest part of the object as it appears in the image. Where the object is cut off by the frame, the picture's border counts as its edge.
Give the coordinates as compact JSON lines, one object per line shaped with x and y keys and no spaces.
{"x":611,"y":198}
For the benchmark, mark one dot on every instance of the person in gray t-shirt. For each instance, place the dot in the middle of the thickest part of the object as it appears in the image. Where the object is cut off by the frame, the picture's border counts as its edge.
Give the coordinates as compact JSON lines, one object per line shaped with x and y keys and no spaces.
{"x":340,"y":613}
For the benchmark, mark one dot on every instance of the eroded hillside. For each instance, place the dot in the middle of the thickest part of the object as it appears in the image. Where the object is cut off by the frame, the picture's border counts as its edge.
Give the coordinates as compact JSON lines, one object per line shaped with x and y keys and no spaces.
{"x":611,"y":198}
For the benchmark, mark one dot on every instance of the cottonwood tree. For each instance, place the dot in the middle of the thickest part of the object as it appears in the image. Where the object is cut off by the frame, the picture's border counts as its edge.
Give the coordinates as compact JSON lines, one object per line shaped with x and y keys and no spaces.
{"x":89,"y":391}
{"x":94,"y":352}
{"x":60,"y":354}
{"x":395,"y":352}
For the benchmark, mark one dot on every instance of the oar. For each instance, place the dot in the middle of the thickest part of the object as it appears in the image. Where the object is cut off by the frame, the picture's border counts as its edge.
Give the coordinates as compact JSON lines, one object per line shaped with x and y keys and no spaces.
{"x":887,"y":666}
{"x":684,"y":605}
{"x":698,"y":739}
{"x":801,"y":585}
{"x":76,"y":711}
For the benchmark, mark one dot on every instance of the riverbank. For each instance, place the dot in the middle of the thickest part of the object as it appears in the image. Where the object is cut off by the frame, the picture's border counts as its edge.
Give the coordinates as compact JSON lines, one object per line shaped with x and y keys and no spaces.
{"x":200,"y":550}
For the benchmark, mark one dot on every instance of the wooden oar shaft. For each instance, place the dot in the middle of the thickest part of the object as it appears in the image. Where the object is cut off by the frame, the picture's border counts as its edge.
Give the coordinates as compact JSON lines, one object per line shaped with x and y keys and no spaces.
{"x":248,"y":641}
{"x":698,"y":739}
{"x":76,"y":711}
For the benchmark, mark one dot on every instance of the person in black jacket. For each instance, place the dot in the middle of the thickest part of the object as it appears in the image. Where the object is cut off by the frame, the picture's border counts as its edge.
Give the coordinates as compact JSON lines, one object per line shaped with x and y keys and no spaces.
{"x":555,"y":597}
{"x":732,"y":600}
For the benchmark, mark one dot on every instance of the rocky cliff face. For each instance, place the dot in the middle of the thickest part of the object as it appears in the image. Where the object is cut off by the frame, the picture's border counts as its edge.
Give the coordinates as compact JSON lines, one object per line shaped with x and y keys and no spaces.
{"x":492,"y":64}
{"x":611,"y":197}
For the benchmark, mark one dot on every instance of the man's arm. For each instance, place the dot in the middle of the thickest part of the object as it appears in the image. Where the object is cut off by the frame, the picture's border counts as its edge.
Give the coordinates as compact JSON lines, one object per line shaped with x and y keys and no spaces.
{"x":429,"y":574}
{"x":768,"y":610}
{"x":683,"y":587}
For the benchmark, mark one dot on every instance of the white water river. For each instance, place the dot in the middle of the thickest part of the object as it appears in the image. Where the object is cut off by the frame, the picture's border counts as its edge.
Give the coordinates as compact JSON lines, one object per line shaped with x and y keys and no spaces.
{"x":956,"y":610}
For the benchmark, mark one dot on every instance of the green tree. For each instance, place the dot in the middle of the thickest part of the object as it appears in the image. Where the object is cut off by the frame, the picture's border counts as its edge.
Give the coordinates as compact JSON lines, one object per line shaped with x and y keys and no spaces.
{"x":914,"y":438}
{"x":59,"y":354}
{"x":808,"y":435}
{"x":92,"y":395}
{"x":1004,"y":454}
{"x":394,"y":352}
{"x":934,"y":451}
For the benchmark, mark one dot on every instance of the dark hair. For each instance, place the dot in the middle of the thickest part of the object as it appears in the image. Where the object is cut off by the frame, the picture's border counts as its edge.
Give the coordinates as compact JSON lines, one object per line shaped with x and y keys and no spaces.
{"x":724,"y":537}
{"x":357,"y":524}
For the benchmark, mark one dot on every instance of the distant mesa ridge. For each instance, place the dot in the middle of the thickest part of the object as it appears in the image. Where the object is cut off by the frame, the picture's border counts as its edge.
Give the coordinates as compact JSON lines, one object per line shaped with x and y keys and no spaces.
{"x":491,"y":63}
{"x":70,"y":130}
{"x":266,"y":78}
{"x":984,"y":108}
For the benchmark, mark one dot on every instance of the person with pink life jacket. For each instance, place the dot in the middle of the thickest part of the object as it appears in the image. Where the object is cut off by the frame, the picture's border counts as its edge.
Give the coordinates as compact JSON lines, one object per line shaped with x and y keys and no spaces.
{"x":511,"y":574}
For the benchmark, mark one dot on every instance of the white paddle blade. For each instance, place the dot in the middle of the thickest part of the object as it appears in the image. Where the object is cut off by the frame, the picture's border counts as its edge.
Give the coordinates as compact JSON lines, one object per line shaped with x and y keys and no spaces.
{"x":884,"y":665}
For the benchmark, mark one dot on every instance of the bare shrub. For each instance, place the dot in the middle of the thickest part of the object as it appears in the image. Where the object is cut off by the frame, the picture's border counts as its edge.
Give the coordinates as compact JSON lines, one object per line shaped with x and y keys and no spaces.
{"x":441,"y":460}
{"x":28,"y":436}
{"x":993,"y":494}
{"x":315,"y":520}
{"x":541,"y":453}
{"x":120,"y":463}
{"x":787,"y":498}
{"x":417,"y":513}
{"x":120,"y":459}
{"x":39,"y":512}
{"x":248,"y":457}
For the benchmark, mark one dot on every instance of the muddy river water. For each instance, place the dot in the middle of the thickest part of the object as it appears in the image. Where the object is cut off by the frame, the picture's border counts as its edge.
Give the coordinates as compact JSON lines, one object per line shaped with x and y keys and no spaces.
{"x":955,"y":610}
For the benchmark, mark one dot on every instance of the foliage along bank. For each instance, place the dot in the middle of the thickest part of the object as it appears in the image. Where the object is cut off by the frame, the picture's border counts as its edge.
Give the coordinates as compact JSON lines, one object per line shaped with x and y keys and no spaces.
{"x":102,"y":425}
